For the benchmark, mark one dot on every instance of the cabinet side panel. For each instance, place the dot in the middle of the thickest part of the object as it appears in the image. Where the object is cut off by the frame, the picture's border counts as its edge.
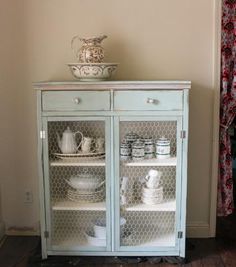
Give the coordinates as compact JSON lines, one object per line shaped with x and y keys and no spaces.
{"x":41,"y":176}
{"x":184,"y":172}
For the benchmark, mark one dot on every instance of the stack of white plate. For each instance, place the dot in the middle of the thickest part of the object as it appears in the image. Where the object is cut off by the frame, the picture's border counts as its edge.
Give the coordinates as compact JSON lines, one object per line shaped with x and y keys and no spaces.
{"x":152,"y":196}
{"x":86,"y":188}
{"x":86,"y":197}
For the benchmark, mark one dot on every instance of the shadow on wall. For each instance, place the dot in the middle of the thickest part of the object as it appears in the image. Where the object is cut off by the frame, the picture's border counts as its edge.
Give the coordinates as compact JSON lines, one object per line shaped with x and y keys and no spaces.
{"x":200,"y":150}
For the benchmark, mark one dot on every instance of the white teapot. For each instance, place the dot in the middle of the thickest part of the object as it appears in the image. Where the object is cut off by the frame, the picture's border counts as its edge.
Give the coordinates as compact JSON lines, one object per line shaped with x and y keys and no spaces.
{"x":67,"y":143}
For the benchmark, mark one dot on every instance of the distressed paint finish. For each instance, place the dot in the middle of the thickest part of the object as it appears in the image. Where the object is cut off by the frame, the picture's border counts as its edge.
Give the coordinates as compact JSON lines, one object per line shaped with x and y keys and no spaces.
{"x":114,"y":102}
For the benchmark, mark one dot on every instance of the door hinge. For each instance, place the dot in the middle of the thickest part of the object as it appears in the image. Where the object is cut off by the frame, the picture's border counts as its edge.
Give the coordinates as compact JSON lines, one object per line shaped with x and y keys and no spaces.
{"x":182,"y":134}
{"x":180,"y":234}
{"x":46,"y":234}
{"x":42,"y":134}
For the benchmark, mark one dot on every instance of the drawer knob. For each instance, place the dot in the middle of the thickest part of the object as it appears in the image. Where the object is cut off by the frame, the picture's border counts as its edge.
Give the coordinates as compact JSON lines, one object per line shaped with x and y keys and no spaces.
{"x":151,"y":101}
{"x":77,"y":100}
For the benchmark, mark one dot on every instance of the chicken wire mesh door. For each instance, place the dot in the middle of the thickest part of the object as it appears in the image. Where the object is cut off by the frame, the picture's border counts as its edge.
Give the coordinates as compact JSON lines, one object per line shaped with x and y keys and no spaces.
{"x":78,"y":208}
{"x":148,"y":183}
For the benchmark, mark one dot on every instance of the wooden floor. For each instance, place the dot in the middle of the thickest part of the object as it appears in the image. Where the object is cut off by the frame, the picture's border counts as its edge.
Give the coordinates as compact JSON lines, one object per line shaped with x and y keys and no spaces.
{"x":219,"y":252}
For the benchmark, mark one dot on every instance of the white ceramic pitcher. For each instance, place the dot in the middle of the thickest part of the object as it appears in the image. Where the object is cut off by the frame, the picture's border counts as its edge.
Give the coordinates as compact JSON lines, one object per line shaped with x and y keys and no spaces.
{"x":67,"y":143}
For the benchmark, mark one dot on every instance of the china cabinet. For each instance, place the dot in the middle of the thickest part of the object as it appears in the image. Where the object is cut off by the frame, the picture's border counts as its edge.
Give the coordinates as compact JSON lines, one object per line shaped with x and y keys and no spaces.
{"x":94,"y":199}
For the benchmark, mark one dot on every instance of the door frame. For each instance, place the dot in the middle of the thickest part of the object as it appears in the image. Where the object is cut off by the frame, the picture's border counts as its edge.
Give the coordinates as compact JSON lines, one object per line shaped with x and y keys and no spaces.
{"x":180,"y":223}
{"x":216,"y":113}
{"x":46,"y":169}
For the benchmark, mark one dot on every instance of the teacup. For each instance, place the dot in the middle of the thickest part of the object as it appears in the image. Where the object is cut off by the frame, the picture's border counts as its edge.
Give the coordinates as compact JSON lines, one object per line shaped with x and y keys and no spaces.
{"x":100,"y":145}
{"x":153,"y":178}
{"x":87,"y":144}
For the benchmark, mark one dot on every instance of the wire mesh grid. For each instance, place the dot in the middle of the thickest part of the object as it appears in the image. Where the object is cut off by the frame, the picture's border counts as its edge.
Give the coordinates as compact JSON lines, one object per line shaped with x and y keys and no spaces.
{"x":60,"y":175}
{"x":135,"y":182}
{"x":71,"y":228}
{"x":147,"y":226}
{"x":148,"y":229}
{"x":154,"y":129}
{"x":94,"y":129}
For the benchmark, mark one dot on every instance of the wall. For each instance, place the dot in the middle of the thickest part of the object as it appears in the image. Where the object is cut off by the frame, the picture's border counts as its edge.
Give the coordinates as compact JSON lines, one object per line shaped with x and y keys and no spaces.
{"x":151,"y":40}
{"x":9,"y":75}
{"x":17,"y":139}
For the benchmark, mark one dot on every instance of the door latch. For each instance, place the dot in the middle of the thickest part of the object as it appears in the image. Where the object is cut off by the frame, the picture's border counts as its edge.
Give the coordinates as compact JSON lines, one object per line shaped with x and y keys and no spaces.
{"x":42,"y":134}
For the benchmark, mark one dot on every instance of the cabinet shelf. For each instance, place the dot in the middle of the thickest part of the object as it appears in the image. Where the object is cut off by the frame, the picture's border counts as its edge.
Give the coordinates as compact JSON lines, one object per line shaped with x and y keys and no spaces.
{"x":78,"y":162}
{"x":166,"y":205}
{"x":70,"y":205}
{"x":151,"y":162}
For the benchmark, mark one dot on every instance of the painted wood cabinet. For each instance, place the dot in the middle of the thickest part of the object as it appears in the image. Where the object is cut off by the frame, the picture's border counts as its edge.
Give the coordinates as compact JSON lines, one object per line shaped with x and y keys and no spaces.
{"x":109,"y":220}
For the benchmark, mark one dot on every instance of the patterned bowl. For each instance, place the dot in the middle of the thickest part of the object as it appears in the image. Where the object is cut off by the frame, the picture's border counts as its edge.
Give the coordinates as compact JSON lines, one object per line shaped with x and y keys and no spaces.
{"x":92,"y":71}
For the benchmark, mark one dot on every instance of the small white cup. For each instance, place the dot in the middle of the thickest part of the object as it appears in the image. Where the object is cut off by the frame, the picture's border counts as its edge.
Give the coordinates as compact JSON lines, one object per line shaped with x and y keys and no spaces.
{"x":86,"y":144}
{"x":100,"y":145}
{"x":153,"y":178}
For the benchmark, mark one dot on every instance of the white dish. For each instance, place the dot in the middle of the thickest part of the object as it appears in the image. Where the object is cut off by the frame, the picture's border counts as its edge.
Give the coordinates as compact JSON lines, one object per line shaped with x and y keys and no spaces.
{"x":85,"y":193}
{"x":152,"y":192}
{"x":152,"y":200}
{"x":86,"y":182}
{"x":100,"y":227}
{"x":92,"y":71}
{"x":93,"y":240}
{"x":86,"y":198}
{"x":80,"y":154}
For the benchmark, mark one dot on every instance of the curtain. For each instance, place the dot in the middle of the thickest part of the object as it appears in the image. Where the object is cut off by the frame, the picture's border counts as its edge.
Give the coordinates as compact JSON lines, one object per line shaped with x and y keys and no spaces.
{"x":225,"y":202}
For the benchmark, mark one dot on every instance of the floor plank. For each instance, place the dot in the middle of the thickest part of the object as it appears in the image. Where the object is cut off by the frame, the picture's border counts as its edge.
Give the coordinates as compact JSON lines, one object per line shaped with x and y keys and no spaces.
{"x":16,"y":249}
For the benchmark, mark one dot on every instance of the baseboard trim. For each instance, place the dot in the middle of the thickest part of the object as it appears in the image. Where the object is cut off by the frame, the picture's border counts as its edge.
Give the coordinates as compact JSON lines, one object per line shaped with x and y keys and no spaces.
{"x":198,"y":230}
{"x":2,"y":230}
{"x":22,"y":231}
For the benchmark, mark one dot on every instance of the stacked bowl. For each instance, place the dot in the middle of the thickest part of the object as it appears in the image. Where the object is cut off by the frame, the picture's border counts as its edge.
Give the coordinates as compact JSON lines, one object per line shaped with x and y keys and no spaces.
{"x":86,"y":188}
{"x":152,"y":192}
{"x":97,"y":236}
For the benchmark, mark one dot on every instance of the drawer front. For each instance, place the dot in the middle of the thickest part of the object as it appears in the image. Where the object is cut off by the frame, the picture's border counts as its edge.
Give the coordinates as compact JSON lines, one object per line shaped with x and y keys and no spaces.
{"x":75,"y":100}
{"x":148,"y":100}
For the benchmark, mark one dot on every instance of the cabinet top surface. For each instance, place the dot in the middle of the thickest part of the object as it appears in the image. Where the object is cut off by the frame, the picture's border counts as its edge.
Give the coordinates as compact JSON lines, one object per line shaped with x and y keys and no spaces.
{"x":112,"y":85}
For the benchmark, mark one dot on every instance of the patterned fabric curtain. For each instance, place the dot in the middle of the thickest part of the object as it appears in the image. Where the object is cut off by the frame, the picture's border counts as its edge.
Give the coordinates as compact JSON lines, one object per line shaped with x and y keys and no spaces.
{"x":227,"y":106}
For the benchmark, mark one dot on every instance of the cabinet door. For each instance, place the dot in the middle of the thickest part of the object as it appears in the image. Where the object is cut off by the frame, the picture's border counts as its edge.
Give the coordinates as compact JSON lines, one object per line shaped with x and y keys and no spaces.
{"x":77,"y":184}
{"x":148,"y":220}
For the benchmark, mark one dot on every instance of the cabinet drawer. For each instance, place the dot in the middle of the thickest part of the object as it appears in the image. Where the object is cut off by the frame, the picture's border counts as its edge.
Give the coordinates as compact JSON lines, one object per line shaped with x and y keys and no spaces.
{"x":148,"y":100}
{"x":75,"y":100}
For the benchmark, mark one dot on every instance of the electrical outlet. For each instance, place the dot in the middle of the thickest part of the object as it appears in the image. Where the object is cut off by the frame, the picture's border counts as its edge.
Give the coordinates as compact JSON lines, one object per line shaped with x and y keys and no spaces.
{"x":28,"y":197}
